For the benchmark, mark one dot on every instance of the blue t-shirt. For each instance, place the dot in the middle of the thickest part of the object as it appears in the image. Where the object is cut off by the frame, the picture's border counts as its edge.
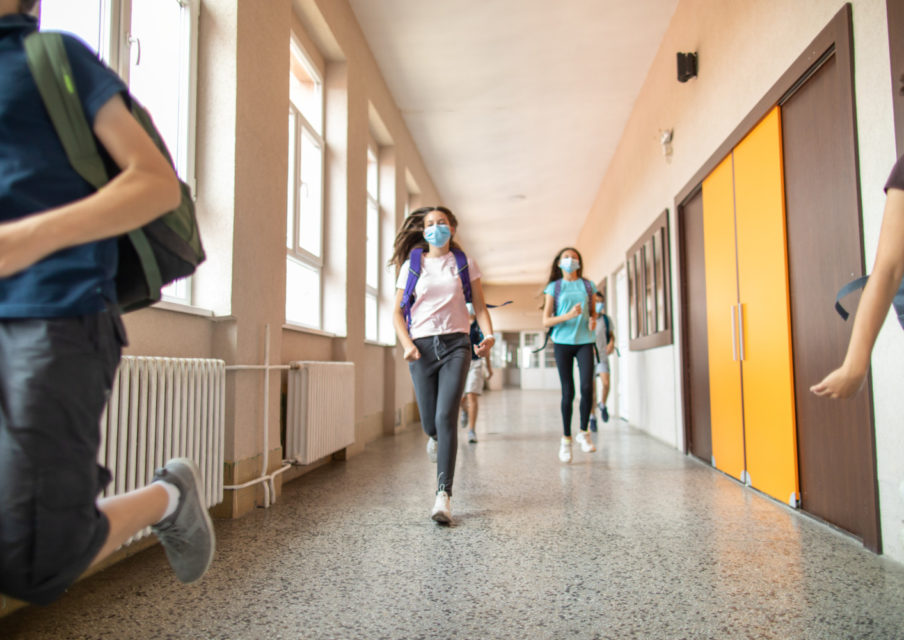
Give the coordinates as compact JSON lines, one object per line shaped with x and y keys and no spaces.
{"x":35,"y":175}
{"x":576,"y":330}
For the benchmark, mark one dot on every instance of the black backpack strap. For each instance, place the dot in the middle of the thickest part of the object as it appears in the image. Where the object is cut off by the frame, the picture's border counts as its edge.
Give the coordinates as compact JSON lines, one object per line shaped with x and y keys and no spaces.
{"x":850,"y":287}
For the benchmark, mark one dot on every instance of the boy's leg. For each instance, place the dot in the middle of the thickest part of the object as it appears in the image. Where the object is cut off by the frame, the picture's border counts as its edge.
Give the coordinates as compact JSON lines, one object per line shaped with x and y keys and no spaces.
{"x":55,"y":376}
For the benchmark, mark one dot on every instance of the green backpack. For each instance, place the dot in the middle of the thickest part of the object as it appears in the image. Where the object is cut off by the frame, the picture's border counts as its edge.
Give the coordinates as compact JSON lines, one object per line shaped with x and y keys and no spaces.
{"x":163,"y":250}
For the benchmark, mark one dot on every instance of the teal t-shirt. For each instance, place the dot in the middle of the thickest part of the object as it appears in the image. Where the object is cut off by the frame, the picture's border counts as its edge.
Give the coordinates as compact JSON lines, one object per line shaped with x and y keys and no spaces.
{"x":577,"y":330}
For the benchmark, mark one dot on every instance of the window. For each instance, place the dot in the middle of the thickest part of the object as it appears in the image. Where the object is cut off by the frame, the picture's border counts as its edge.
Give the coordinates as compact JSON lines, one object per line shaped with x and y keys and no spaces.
{"x":152,"y":44}
{"x":649,"y":288}
{"x":304,"y":213}
{"x":372,"y":280}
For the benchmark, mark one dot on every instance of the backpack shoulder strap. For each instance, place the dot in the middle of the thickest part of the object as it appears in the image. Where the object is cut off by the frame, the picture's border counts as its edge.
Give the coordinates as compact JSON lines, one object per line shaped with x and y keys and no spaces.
{"x":414,"y":272}
{"x":49,"y":65}
{"x":461,"y":262}
{"x":557,"y":288}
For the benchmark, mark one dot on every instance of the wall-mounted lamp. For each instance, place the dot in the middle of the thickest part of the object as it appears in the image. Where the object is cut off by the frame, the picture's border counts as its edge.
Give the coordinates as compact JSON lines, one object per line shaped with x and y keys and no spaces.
{"x":665,"y":139}
{"x":687,"y":66}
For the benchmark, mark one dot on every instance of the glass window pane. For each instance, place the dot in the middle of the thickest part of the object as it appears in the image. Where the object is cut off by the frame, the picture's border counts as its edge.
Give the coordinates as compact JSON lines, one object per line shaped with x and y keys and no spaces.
{"x":649,"y":288}
{"x":302,"y":294}
{"x":156,"y":71}
{"x":293,"y":176}
{"x":309,"y":194}
{"x":370,"y":317}
{"x":372,"y":175}
{"x":305,"y":90}
{"x":660,"y":286}
{"x":373,"y":246}
{"x":81,"y":17}
{"x":178,"y":291}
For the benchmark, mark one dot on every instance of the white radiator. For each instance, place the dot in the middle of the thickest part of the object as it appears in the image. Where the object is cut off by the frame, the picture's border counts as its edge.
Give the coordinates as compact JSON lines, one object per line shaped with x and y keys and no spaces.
{"x":162,"y":408}
{"x":320,"y":409}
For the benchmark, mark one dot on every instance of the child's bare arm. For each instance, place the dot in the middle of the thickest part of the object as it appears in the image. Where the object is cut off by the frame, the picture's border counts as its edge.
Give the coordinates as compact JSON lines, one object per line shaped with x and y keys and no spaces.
{"x":880,"y":289}
{"x":145,"y":189}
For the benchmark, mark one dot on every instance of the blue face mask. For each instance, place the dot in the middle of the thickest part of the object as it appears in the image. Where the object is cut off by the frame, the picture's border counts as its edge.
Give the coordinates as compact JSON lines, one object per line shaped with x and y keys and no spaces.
{"x":569,"y":265}
{"x":438,"y":234}
{"x":600,"y":307}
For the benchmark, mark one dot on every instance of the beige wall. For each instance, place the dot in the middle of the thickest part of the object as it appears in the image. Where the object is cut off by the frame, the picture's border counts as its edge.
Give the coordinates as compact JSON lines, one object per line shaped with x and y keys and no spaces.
{"x":743,"y":47}
{"x":242,"y":138}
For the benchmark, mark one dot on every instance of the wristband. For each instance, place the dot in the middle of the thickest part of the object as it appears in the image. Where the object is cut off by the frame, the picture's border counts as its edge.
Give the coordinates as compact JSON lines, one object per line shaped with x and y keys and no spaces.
{"x":490,"y":336}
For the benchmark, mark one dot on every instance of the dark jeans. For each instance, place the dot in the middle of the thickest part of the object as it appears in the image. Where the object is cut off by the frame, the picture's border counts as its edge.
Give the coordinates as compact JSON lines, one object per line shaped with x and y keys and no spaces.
{"x":439,"y":381}
{"x":55,"y":376}
{"x":565,"y":356}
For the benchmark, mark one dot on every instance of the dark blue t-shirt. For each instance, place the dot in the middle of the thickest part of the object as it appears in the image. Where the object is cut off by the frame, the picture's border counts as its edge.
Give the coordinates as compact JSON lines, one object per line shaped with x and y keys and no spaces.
{"x":35,"y":175}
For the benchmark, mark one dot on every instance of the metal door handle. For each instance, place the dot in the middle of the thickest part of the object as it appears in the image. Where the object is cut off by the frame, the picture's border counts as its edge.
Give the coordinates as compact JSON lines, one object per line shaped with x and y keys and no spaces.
{"x":734,"y":342}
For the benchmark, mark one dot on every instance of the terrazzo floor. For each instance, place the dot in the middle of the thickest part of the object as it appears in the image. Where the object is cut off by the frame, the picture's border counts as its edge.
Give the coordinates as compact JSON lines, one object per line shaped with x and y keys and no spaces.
{"x":633,"y":541}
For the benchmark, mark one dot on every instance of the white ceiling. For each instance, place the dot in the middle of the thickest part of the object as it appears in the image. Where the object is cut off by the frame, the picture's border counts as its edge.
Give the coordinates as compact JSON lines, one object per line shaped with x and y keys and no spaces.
{"x":516,"y":107}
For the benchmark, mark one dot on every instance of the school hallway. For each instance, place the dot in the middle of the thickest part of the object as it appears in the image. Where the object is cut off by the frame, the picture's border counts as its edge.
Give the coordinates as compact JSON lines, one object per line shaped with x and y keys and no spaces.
{"x":633,"y":541}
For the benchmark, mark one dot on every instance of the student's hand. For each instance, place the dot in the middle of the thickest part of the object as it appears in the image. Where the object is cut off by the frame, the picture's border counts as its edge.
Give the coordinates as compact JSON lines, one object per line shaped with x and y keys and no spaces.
{"x":576,"y":310}
{"x":483,"y":349}
{"x":609,"y":349}
{"x":592,"y":323}
{"x":411,"y":353}
{"x":841,"y":383}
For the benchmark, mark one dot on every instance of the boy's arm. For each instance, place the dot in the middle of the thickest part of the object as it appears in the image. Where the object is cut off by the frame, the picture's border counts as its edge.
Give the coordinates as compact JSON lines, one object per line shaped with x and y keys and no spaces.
{"x":145,"y":188}
{"x":877,"y":296}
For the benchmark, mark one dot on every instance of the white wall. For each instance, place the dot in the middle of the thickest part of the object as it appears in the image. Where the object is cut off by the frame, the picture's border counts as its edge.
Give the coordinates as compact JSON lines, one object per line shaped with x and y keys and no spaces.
{"x":744,"y":47}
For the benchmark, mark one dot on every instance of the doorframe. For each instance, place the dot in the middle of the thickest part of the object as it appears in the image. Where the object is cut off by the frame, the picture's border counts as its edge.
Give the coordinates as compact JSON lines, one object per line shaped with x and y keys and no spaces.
{"x":683,"y":302}
{"x":895,"y":14}
{"x":835,"y":38}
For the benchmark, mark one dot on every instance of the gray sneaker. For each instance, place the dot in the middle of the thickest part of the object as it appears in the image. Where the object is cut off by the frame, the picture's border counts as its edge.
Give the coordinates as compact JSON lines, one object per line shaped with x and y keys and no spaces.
{"x":187,"y":534}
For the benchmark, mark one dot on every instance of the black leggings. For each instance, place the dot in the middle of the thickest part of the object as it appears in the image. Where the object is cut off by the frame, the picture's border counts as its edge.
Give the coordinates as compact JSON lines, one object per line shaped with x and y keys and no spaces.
{"x":439,"y":381}
{"x":565,"y":355}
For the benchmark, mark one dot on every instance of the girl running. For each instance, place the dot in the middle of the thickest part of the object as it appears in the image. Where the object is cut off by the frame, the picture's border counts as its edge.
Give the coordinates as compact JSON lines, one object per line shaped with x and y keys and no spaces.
{"x":568,"y":310}
{"x":436,"y":343}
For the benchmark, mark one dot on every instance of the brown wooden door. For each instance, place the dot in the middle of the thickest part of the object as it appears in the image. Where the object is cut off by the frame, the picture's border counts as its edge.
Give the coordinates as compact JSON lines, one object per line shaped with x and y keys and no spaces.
{"x":835,"y":438}
{"x":696,"y":370}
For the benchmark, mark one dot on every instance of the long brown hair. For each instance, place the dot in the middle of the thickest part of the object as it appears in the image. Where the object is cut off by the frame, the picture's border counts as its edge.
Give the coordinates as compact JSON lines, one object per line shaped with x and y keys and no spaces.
{"x":556,"y":272}
{"x":411,"y":235}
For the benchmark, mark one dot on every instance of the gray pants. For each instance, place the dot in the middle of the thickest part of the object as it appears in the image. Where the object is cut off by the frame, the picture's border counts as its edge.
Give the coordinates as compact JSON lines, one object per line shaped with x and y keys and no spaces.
{"x":55,"y":376}
{"x":439,"y":381}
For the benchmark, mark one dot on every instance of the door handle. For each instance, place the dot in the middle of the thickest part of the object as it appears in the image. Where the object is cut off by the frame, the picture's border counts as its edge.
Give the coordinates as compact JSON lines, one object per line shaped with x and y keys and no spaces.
{"x":734,"y":340}
{"x":741,"y":328}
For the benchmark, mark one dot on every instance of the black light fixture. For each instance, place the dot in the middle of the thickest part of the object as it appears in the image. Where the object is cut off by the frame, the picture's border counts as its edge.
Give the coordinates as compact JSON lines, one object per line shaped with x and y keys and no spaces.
{"x":687,"y":66}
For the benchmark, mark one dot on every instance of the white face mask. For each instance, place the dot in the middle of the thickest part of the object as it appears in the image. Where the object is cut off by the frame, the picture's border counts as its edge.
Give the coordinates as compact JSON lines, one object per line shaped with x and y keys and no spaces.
{"x":569,"y":264}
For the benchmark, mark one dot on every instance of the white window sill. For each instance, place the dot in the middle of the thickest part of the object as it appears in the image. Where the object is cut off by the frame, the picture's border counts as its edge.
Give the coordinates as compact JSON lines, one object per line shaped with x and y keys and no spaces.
{"x":179,"y":307}
{"x":377,"y":343}
{"x":310,"y":330}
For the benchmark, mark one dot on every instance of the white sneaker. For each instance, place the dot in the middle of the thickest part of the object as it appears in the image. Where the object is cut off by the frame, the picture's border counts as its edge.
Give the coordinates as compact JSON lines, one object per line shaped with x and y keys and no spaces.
{"x":565,"y":450}
{"x":431,"y":449}
{"x":442,"y":508}
{"x":472,"y":436}
{"x":586,"y":442}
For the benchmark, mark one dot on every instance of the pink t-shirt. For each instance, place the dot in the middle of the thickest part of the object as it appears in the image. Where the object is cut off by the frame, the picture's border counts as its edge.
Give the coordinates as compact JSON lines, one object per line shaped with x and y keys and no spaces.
{"x":439,"y":305}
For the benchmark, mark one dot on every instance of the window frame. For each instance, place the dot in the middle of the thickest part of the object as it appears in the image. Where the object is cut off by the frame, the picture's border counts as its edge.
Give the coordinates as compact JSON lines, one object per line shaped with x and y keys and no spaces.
{"x":303,"y":126}
{"x":372,"y":203}
{"x":650,"y":289}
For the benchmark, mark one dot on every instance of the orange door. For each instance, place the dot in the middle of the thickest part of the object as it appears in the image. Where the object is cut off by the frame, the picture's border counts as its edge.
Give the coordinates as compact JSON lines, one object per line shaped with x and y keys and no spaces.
{"x":768,"y":386}
{"x":721,"y":301}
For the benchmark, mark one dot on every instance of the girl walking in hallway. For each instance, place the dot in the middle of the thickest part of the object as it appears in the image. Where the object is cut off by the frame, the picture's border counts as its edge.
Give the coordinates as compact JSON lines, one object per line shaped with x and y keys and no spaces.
{"x":431,"y":320}
{"x":568,"y":310}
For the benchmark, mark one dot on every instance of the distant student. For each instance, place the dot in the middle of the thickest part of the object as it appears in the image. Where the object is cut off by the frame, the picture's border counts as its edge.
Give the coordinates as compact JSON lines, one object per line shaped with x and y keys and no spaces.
{"x":61,"y":335}
{"x":437,"y":344}
{"x":605,"y":345}
{"x":878,"y":294}
{"x":479,"y":372}
{"x":567,"y":310}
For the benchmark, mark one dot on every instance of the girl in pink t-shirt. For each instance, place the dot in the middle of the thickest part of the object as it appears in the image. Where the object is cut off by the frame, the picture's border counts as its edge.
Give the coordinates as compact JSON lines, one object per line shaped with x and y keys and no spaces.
{"x":437,"y":345}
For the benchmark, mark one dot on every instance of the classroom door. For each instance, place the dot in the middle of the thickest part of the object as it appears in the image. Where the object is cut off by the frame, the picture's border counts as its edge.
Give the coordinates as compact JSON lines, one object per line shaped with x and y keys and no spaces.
{"x":748,"y":316}
{"x":698,"y":426}
{"x":835,"y":438}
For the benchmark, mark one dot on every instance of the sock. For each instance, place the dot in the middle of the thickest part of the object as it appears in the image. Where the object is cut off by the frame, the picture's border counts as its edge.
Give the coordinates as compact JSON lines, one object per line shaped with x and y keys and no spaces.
{"x":173,"y":493}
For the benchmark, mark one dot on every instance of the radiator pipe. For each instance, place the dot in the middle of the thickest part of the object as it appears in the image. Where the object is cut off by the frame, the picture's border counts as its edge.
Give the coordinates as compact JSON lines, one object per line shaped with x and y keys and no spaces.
{"x":265,"y":478}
